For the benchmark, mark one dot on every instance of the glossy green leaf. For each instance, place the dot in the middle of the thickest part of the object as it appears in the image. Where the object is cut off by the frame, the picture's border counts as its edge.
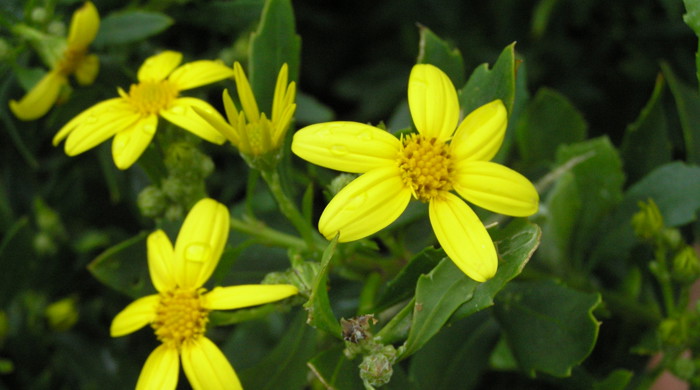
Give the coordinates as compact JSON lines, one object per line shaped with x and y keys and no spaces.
{"x":688,"y":106}
{"x":273,"y":44}
{"x":403,"y":285}
{"x":225,"y":16}
{"x":563,"y":205}
{"x":285,"y":366}
{"x":549,"y":327}
{"x":320,"y":313}
{"x":433,"y":50}
{"x":674,"y":187}
{"x":646,"y":144}
{"x":617,"y":380}
{"x":130,"y":26}
{"x":599,"y":181}
{"x":516,"y":243}
{"x":335,"y":371}
{"x":485,"y":85}
{"x":463,"y":347}
{"x":438,"y":295}
{"x":549,"y":120}
{"x":124,"y":268}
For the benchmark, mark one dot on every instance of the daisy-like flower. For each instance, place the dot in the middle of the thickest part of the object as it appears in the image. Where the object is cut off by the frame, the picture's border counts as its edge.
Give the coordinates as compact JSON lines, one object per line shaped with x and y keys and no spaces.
{"x":74,"y":60}
{"x":430,"y":166}
{"x":132,"y":118}
{"x":249,"y":130}
{"x":179,"y":312}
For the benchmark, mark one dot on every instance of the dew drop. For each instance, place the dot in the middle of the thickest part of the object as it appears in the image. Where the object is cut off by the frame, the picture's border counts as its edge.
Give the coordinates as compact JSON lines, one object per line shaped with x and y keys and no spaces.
{"x":364,"y":135}
{"x":179,"y":110}
{"x":339,"y":150}
{"x":357,"y":201}
{"x":148,"y":129}
{"x":119,"y":144}
{"x":91,"y":119}
{"x":197,"y":252}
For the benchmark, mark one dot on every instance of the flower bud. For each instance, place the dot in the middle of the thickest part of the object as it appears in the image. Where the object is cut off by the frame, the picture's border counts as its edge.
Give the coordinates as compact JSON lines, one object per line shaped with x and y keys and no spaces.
{"x":62,"y":314}
{"x":686,"y":266}
{"x":647,"y":222}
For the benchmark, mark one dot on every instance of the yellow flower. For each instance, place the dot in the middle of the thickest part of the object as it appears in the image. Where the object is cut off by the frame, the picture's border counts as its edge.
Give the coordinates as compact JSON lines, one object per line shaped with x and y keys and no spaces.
{"x":75,"y":61}
{"x":249,"y":130}
{"x":429,"y":165}
{"x":179,"y":312}
{"x":132,"y":118}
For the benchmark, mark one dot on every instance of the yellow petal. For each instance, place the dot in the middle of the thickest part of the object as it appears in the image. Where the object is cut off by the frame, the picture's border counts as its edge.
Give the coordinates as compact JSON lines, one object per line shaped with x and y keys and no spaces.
{"x":433,"y":102}
{"x":219,"y":123}
{"x":98,"y":127}
{"x":160,"y":261}
{"x":346,"y":146}
{"x":236,"y":297}
{"x":160,"y":370}
{"x":40,"y":98}
{"x":128,"y":145}
{"x":159,"y":66}
{"x":138,"y":314}
{"x":496,"y":188}
{"x":230,"y":107}
{"x":481,"y":133}
{"x":90,"y":115}
{"x":282,"y":96}
{"x":198,"y":73}
{"x":366,"y":205}
{"x":83,"y":26}
{"x":182,"y":115}
{"x":87,"y":70}
{"x":245,"y":94}
{"x":206,"y":367}
{"x":200,"y":243}
{"x":463,"y":237}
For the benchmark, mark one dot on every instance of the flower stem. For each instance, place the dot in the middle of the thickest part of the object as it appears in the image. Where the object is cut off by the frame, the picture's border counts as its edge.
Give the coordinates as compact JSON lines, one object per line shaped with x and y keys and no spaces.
{"x":267,"y":235}
{"x":288,"y":208}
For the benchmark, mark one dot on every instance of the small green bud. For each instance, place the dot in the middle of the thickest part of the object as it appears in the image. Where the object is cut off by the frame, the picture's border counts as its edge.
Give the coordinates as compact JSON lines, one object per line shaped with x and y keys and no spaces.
{"x":152,"y":202}
{"x":62,"y":314}
{"x":671,"y":332}
{"x":376,"y":369}
{"x":44,"y":244}
{"x":48,"y":220}
{"x":57,"y":28}
{"x":339,"y":182}
{"x":648,"y":221}
{"x":38,"y":15}
{"x":683,"y":368}
{"x":686,"y":266}
{"x":174,"y":212}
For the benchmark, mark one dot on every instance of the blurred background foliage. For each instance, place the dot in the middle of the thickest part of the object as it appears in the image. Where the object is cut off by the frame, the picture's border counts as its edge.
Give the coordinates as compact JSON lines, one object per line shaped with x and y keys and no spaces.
{"x":599,"y":61}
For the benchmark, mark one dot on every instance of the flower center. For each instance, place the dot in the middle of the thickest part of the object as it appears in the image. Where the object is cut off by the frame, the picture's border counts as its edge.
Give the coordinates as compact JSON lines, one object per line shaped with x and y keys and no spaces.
{"x":180,"y":316}
{"x":70,"y":61}
{"x":256,"y":138}
{"x":426,"y":166}
{"x":149,"y":97}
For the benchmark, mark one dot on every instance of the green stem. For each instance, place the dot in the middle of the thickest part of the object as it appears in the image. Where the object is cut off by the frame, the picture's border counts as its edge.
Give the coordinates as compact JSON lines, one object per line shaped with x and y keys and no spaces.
{"x":267,"y":235}
{"x":288,"y":208}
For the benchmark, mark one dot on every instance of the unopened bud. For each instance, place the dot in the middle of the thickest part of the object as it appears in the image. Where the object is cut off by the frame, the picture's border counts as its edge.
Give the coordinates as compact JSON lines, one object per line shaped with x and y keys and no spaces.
{"x":62,"y":314}
{"x":647,"y":222}
{"x":686,"y":266}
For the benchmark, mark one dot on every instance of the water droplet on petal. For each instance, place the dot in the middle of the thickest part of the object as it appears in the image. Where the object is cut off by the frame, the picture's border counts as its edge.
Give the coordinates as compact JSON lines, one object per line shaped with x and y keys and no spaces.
{"x":323,"y":132}
{"x":119,"y":144}
{"x":365,"y":135}
{"x":91,"y":119}
{"x":357,"y":201}
{"x":148,"y":129}
{"x":339,"y":150}
{"x":179,"y":110}
{"x":197,"y":252}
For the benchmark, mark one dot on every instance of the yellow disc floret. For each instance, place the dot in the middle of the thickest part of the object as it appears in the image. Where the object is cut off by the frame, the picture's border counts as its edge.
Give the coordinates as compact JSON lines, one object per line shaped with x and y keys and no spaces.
{"x":149,"y":97}
{"x":426,"y":166}
{"x":180,"y":316}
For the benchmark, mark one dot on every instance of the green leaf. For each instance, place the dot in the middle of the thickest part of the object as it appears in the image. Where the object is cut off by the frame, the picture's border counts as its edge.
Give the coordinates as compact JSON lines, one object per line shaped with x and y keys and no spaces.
{"x":225,"y":16}
{"x":485,"y":85}
{"x":438,"y":295}
{"x":549,"y":121}
{"x":516,"y":243}
{"x":563,"y":205}
{"x":403,"y":285}
{"x":692,"y":19}
{"x":15,"y":244}
{"x":335,"y":371}
{"x":124,"y":268}
{"x":320,"y":313}
{"x":130,"y":26}
{"x":617,"y":380}
{"x":674,"y":187}
{"x":646,"y":144}
{"x":463,"y":347}
{"x":435,"y":51}
{"x":549,"y":327}
{"x":273,"y":44}
{"x":285,"y":366}
{"x":688,"y":105}
{"x":599,"y":181}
